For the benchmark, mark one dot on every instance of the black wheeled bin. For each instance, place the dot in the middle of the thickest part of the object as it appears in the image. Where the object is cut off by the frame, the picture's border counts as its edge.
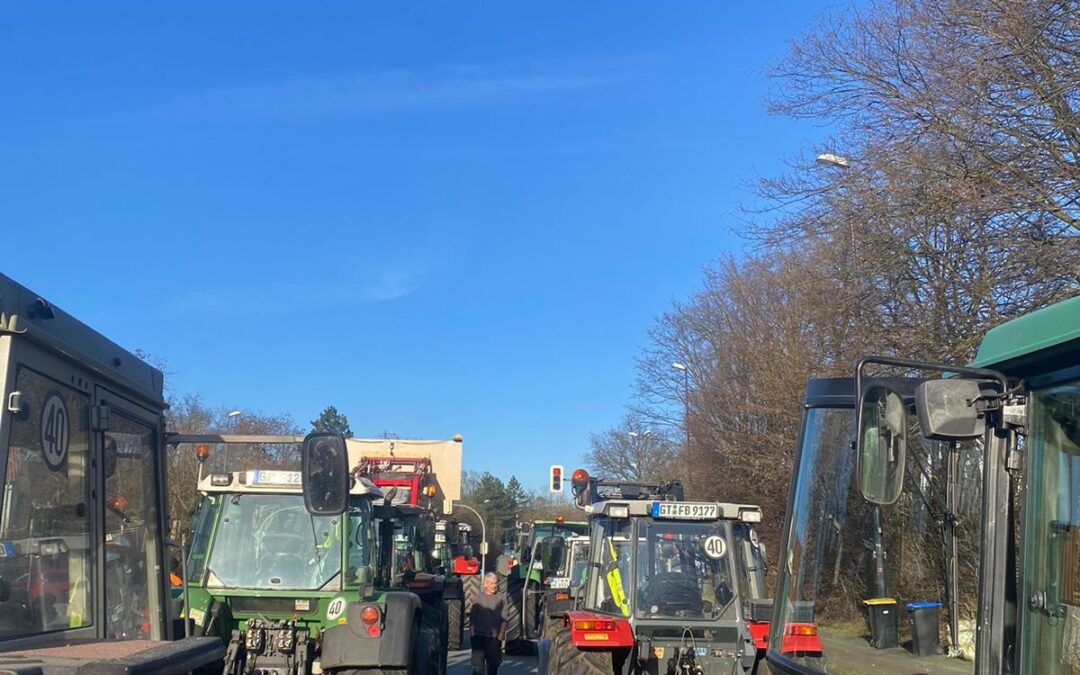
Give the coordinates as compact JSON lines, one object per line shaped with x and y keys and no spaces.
{"x":882,"y":618}
{"x":925,"y":638}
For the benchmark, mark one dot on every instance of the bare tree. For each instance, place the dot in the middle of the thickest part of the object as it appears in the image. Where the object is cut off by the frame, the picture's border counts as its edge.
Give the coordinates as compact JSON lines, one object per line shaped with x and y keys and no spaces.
{"x":188,"y":414}
{"x":957,"y":211}
{"x":631,"y":452}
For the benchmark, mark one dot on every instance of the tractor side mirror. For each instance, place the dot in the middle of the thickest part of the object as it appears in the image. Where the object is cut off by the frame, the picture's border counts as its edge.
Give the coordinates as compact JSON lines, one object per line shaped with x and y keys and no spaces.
{"x":882,"y":445}
{"x":946,"y":410}
{"x":324,"y":465}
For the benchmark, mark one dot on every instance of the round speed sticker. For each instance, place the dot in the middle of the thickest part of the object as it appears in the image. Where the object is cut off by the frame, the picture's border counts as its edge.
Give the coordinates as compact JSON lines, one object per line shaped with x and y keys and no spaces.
{"x":54,"y":432}
{"x":714,"y":546}
{"x":335,"y":609}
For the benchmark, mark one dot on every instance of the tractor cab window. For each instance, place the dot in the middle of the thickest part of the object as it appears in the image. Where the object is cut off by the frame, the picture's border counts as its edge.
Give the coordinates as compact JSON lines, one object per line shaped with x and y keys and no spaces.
{"x":45,"y":546}
{"x":1051,"y":620}
{"x":202,"y":528}
{"x":611,"y":581}
{"x":684,"y":571}
{"x":577,"y":562}
{"x":749,"y":562}
{"x":359,"y":534}
{"x":269,"y":541}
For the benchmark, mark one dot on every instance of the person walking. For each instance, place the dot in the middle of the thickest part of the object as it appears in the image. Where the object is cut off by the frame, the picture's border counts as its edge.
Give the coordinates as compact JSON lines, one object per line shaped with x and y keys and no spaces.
{"x":487,"y":627}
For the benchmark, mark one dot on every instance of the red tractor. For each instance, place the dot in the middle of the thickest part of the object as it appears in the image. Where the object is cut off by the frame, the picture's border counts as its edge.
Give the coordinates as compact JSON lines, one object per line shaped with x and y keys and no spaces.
{"x":671,"y":586}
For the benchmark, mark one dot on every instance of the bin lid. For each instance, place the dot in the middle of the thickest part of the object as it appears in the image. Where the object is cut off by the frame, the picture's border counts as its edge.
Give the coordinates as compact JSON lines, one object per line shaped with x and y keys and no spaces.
{"x":879,"y":601}
{"x":922,"y":605}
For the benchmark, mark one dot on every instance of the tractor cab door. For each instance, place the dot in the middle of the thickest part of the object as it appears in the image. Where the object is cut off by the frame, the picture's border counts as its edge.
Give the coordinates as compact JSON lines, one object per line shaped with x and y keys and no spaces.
{"x":80,"y":543}
{"x":1050,"y":562}
{"x":48,"y":526}
{"x":135,"y":599}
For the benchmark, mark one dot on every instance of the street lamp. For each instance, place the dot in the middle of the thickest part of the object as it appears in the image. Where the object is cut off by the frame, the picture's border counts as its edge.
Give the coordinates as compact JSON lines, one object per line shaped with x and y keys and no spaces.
{"x":829,"y":159}
{"x":483,"y":536}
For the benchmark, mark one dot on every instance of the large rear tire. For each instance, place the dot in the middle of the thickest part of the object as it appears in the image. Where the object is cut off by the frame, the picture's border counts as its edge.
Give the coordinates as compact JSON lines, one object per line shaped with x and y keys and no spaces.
{"x":471,"y":587}
{"x":530,"y":628}
{"x":511,"y":586}
{"x":555,"y":632}
{"x":574,"y":661}
{"x":455,"y":623}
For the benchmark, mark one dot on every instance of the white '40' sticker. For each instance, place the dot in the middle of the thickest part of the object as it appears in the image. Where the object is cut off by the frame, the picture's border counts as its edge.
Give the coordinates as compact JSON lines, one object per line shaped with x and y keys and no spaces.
{"x":335,"y":609}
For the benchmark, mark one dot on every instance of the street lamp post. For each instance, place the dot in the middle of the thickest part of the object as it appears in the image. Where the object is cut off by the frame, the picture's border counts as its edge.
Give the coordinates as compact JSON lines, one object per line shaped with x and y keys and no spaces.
{"x":233,"y":416}
{"x":686,"y":400}
{"x":483,"y":537}
{"x":686,"y":414}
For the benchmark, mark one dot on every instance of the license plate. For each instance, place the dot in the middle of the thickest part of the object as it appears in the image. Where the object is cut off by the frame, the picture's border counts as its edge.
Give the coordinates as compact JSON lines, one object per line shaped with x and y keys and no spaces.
{"x":701,"y":651}
{"x":560,"y":582}
{"x":686,"y":510}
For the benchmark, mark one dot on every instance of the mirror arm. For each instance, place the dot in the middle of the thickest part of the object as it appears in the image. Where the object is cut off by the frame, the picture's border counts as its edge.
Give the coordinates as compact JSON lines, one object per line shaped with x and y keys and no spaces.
{"x":917,"y":365}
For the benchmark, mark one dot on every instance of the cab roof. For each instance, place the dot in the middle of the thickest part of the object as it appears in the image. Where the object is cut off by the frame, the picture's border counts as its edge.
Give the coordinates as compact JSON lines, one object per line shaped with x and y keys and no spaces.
{"x":1034,"y":343}
{"x":28,"y":315}
{"x":271,"y":481}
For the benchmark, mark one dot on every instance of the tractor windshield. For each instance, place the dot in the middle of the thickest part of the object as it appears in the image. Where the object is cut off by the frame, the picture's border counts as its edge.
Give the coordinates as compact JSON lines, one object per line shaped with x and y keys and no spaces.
{"x":873,"y":582}
{"x":684,"y":571}
{"x":269,"y":541}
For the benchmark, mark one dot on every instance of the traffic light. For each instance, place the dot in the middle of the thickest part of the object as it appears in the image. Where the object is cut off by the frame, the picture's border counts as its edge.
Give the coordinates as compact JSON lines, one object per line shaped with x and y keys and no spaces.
{"x":556,"y":478}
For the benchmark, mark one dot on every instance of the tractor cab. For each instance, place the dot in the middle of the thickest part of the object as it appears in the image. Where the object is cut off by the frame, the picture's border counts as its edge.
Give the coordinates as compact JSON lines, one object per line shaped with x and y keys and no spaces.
{"x":932,"y":524}
{"x":665,"y":588}
{"x":527,"y":572}
{"x":83,"y":548}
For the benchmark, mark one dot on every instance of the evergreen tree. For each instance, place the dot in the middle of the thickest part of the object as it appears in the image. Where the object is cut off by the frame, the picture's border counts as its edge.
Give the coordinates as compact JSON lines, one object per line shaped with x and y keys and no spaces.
{"x":333,"y":421}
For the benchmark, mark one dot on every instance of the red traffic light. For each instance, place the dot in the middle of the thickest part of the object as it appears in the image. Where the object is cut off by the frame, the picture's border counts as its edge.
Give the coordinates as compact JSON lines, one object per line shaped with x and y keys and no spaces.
{"x":556,"y":478}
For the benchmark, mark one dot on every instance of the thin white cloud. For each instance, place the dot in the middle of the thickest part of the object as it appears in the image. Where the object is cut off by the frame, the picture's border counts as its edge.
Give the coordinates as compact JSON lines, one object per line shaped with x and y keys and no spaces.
{"x":288,"y":298}
{"x":384,"y":91}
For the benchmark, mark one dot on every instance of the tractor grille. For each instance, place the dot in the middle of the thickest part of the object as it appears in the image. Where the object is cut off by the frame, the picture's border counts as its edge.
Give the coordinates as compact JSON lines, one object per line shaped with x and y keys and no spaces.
{"x":281,"y":607}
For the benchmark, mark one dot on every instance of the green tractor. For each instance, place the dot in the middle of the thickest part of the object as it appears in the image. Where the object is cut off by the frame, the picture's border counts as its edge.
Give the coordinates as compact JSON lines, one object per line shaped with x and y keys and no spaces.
{"x":525,"y":575}
{"x":934,"y":512}
{"x":291,"y":591}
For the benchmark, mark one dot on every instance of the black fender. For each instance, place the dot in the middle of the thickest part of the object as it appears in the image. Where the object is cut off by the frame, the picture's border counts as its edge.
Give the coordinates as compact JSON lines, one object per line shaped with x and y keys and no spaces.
{"x":348,"y":645}
{"x":454,"y":588}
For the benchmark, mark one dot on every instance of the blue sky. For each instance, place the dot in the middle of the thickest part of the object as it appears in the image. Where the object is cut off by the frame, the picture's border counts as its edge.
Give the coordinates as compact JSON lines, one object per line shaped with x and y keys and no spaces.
{"x":441,"y":218}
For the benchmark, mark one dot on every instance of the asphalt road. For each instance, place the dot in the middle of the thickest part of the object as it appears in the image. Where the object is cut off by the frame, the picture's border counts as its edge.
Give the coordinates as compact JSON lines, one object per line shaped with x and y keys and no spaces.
{"x":457,"y":663}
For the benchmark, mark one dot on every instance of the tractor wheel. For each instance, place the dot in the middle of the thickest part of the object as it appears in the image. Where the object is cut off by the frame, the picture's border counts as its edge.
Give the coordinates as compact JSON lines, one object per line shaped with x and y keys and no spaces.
{"x":574,"y":661}
{"x":455,"y":623}
{"x":471,"y":586}
{"x":556,"y":632}
{"x":433,"y":631}
{"x":530,"y":629}
{"x":420,"y":663}
{"x":512,"y":588}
